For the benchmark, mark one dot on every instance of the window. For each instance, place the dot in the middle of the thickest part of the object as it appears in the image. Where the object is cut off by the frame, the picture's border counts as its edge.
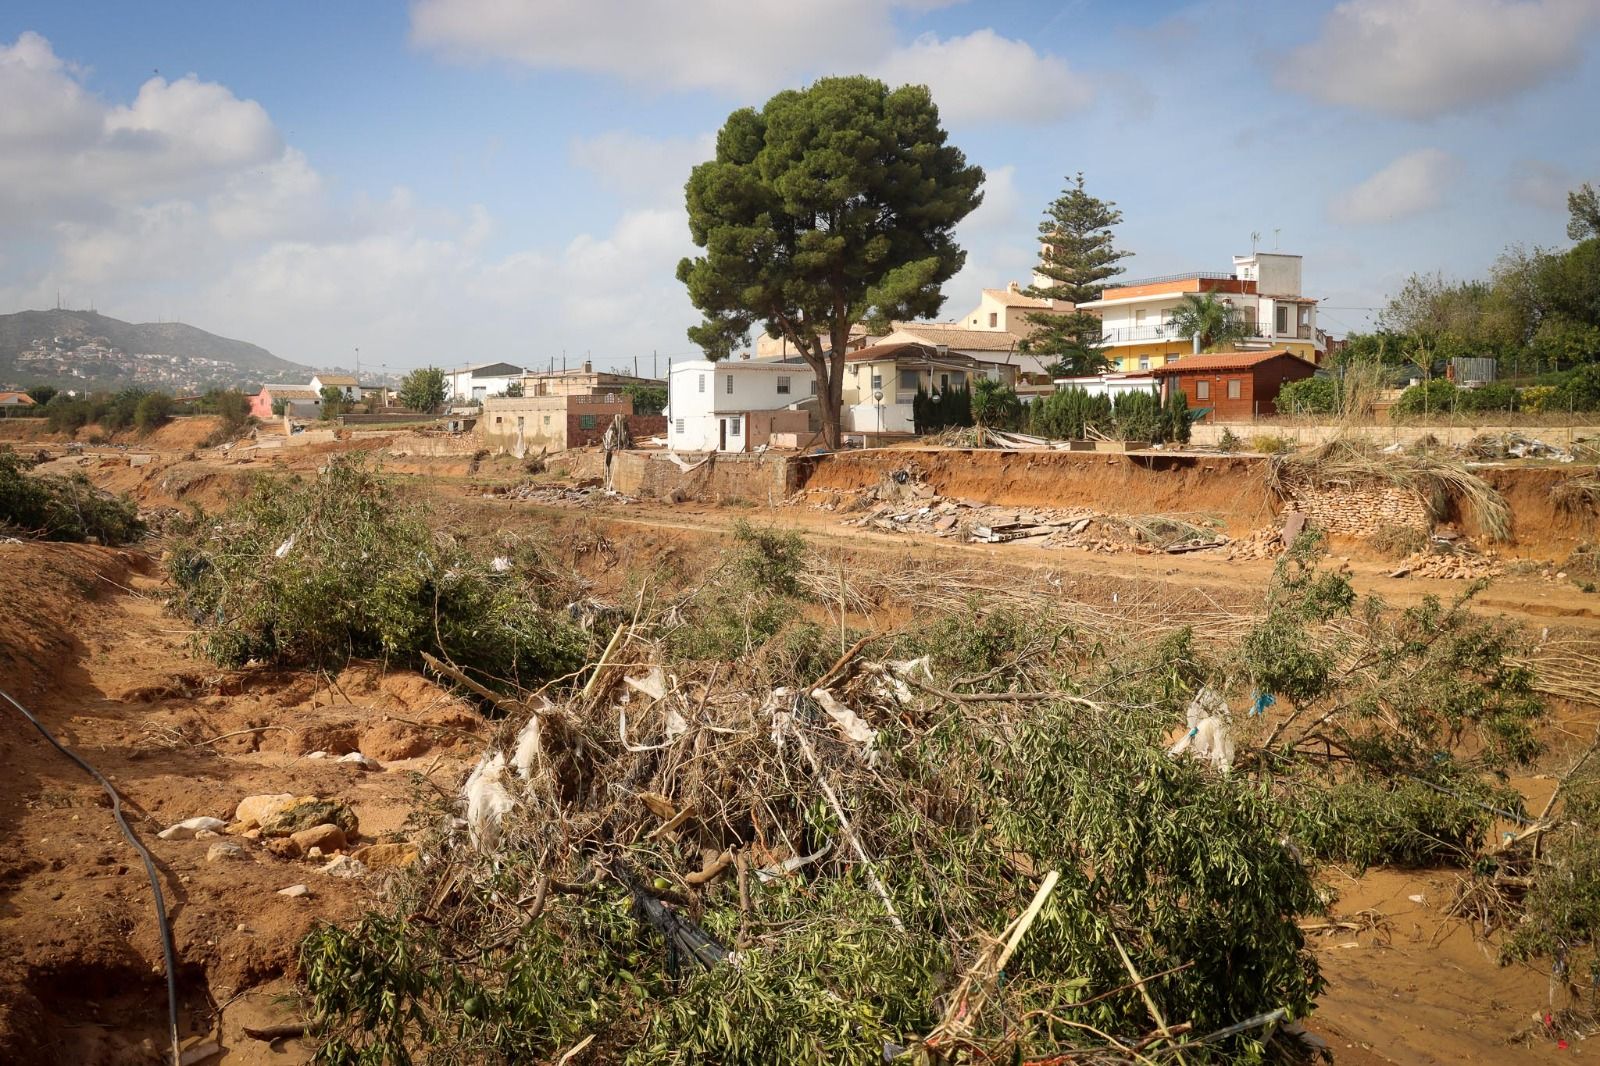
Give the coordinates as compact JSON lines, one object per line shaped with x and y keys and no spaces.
{"x":547,"y":420}
{"x":783,"y":385}
{"x":733,"y":427}
{"x":677,"y":425}
{"x":519,"y":421}
{"x":1305,"y":316}
{"x":729,"y":389}
{"x":944,"y":382}
{"x":586,"y":421}
{"x":1172,"y":359}
{"x":908,"y":380}
{"x":1202,"y":390}
{"x":1144,"y":362}
{"x":994,"y":319}
{"x":1138,"y":317}
{"x":877,"y":383}
{"x":1282,"y":318}
{"x":702,"y":383}
{"x":498,"y":420}
{"x":813,"y":386}
{"x":1235,"y":388}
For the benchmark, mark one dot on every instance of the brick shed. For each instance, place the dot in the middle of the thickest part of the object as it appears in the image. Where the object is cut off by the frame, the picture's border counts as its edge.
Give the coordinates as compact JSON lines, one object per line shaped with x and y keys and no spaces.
{"x":1237,"y":386}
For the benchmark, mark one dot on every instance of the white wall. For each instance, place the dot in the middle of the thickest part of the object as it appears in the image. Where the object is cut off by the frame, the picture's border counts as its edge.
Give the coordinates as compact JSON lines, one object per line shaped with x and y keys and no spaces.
{"x":704,"y":414}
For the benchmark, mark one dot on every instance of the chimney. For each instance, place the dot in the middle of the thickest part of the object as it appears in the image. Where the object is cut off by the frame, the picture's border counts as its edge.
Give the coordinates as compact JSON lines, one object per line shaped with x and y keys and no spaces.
{"x":588,"y":367}
{"x":1012,"y":286}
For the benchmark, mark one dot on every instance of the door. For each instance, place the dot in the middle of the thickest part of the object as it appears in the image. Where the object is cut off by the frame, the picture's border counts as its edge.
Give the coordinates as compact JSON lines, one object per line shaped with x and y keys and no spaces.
{"x":722,"y":434}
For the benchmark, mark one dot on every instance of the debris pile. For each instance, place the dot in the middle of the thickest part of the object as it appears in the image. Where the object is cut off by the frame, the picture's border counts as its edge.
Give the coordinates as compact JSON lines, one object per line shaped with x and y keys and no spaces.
{"x":1459,"y":564}
{"x":560,"y":495}
{"x":1487,"y":447}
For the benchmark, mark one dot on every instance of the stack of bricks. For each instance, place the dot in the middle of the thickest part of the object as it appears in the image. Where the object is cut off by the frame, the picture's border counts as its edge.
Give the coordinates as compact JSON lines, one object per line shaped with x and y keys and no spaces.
{"x":1361,"y":510}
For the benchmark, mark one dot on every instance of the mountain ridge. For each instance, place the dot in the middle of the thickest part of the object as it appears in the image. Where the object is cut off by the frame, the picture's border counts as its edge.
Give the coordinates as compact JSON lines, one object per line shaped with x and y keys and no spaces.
{"x":62,"y":347}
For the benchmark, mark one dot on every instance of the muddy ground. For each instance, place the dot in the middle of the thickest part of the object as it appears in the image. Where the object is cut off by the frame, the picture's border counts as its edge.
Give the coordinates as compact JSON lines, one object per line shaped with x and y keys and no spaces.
{"x":85,"y":644}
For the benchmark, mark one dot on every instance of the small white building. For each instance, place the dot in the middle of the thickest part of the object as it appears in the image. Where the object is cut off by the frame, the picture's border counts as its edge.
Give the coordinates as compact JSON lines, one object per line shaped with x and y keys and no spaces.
{"x":735,"y":405}
{"x":474,"y":384}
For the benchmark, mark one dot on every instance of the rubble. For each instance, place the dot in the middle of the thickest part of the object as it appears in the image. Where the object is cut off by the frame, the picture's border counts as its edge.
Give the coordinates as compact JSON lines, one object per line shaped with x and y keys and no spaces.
{"x":1514,"y":445}
{"x":560,"y":495}
{"x":1460,"y":564}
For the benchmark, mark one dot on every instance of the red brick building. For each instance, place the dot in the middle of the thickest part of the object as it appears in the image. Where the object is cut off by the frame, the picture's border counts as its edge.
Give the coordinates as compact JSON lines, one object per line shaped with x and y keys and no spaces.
{"x":1237,"y":386}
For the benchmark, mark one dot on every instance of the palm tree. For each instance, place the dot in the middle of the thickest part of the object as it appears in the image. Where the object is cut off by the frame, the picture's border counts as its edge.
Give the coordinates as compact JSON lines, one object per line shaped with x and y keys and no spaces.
{"x":1218,"y":324}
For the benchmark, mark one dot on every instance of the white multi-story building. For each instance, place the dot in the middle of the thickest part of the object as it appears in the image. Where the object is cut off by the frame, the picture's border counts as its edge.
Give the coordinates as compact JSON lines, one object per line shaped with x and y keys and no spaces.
{"x":735,"y":405}
{"x":1264,"y":289}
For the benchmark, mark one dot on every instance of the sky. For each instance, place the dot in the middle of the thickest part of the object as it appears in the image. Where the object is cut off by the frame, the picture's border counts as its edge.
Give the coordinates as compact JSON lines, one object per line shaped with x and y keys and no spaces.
{"x":456,"y":181}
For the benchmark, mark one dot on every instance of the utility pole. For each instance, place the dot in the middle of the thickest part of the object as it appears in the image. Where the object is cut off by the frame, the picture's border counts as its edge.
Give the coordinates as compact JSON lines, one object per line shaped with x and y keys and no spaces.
{"x":652,"y":362}
{"x":358,"y":366}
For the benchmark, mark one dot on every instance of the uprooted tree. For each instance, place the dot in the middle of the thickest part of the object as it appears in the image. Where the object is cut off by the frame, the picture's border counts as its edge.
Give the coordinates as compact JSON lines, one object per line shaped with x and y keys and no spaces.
{"x":830,"y":204}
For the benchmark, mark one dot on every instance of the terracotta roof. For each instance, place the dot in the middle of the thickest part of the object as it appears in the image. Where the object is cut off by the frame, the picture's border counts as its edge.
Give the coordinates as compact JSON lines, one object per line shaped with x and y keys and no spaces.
{"x":335,"y":379}
{"x":292,"y":392}
{"x":976,"y":340}
{"x":21,"y":399}
{"x":1223,"y":361}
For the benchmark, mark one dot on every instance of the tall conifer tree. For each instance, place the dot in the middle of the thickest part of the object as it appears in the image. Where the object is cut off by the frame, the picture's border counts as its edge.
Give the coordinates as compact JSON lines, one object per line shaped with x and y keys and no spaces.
{"x":1077,"y":254}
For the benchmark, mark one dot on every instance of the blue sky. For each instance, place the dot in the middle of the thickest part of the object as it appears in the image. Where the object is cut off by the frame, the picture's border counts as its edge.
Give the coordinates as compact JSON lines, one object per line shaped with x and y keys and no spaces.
{"x":456,"y":180}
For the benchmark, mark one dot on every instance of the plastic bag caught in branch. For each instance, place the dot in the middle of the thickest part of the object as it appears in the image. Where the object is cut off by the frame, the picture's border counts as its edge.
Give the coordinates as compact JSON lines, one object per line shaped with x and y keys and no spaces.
{"x":1209,"y":736}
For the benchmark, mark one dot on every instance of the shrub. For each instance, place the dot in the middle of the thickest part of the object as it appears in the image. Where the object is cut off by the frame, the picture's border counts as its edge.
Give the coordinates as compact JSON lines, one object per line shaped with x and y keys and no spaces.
{"x":952,"y":407}
{"x":1137,"y":416}
{"x":1580,"y":391}
{"x":1396,"y":541}
{"x":1368,"y":821}
{"x":1271,"y":444}
{"x":62,"y":508}
{"x":153,"y":410}
{"x":1537,"y":398}
{"x":647,"y":399}
{"x":1069,"y":414}
{"x":772,"y":559}
{"x":313,"y":572}
{"x":995,"y":405}
{"x":1309,"y":396}
{"x":1435,"y":397}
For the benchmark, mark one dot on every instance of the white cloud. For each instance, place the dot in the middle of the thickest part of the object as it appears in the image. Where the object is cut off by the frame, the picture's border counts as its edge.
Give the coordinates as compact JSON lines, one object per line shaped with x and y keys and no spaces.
{"x":742,"y":46}
{"x":984,"y":77}
{"x":66,"y":154}
{"x":1423,"y":58}
{"x":750,"y":47}
{"x":996,"y":240}
{"x":1412,"y":184}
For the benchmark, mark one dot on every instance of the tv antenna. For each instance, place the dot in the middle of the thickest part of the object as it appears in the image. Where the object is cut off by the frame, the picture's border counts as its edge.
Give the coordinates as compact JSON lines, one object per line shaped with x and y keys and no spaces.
{"x":1255,"y":238}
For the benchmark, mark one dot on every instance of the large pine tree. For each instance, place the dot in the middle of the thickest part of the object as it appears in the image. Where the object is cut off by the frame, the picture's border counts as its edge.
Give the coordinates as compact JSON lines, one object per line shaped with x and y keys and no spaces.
{"x":1077,"y":254}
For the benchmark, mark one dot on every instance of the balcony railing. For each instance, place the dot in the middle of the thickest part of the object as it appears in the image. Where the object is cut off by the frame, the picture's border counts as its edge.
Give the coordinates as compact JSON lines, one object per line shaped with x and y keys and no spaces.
{"x":1166,"y":331}
{"x":1203,"y":275}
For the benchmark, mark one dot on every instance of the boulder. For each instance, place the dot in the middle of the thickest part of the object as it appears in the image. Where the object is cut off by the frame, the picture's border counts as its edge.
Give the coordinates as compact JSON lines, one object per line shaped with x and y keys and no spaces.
{"x":387,"y":856}
{"x":257,"y":810}
{"x":344,"y":866}
{"x":308,"y":811}
{"x":222,"y":850}
{"x":355,"y":758}
{"x":328,"y":837}
{"x":294,"y":891}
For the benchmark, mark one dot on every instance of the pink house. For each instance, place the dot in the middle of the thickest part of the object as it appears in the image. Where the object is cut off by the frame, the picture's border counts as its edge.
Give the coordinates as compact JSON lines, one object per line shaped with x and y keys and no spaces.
{"x":302,"y":402}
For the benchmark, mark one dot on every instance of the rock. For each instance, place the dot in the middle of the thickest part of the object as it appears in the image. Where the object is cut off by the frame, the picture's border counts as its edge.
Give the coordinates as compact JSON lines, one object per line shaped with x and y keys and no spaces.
{"x":186,"y":829}
{"x":295,"y":891}
{"x":313,"y":853}
{"x":225,"y":849}
{"x":206,"y":834}
{"x":317,"y":755}
{"x":307,"y":812}
{"x":387,"y":856}
{"x":327,"y":837}
{"x":344,"y":866}
{"x":355,"y":758}
{"x":257,"y":810}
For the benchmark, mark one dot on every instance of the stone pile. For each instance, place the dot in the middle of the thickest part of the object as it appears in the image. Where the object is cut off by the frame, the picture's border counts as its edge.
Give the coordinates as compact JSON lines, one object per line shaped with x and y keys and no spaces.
{"x":559,"y":495}
{"x":1450,"y":566}
{"x":1361,"y":510}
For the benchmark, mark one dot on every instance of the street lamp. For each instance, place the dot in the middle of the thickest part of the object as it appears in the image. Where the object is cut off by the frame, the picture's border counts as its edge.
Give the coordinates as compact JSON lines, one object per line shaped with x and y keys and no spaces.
{"x":877,"y":399}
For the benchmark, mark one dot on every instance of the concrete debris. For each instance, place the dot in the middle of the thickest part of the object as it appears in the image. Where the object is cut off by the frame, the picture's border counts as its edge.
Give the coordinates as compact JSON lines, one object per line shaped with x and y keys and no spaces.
{"x":225,"y":849}
{"x":343,"y":866}
{"x":295,"y":891}
{"x":186,"y":829}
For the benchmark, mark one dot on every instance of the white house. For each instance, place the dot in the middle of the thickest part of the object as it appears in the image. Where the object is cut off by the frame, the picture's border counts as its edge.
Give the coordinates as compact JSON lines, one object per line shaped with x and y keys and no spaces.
{"x":881,"y":382}
{"x":735,"y":405}
{"x":473,"y":384}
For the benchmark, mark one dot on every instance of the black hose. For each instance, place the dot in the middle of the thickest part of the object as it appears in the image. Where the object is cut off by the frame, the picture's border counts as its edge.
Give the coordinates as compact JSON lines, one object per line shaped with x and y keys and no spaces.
{"x":149,"y":869}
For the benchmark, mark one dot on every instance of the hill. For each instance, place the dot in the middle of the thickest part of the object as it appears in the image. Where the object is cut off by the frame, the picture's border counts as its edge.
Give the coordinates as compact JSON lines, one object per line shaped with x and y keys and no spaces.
{"x":89,"y":350}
